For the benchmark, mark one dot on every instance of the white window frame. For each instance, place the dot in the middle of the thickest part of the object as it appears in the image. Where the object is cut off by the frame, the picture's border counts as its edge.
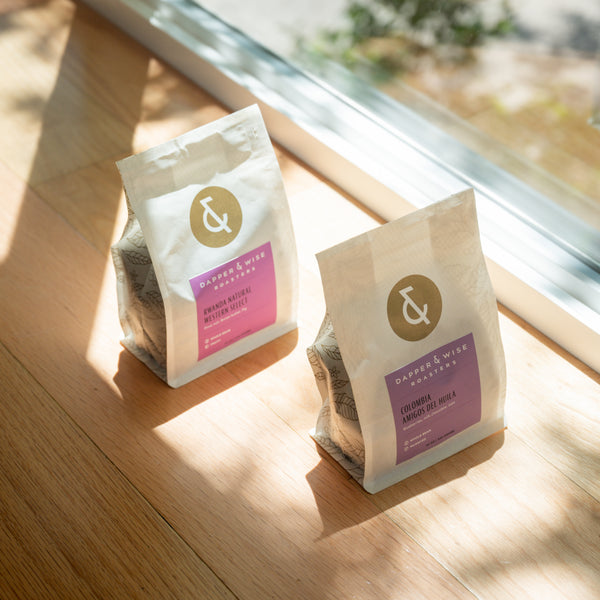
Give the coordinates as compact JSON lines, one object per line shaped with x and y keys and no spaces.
{"x":381,"y":153}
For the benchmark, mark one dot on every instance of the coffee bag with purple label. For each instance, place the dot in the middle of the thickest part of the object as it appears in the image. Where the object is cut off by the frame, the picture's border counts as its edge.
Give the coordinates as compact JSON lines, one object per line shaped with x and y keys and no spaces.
{"x":409,"y":359}
{"x":206,"y":266}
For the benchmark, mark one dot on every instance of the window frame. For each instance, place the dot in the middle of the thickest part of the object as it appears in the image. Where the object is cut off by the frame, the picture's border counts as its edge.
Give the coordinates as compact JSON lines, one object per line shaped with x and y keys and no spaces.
{"x":391,"y":160}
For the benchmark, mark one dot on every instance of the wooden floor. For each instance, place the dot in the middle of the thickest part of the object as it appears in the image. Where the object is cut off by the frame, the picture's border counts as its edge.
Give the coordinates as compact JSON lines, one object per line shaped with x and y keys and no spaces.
{"x":112,"y":485}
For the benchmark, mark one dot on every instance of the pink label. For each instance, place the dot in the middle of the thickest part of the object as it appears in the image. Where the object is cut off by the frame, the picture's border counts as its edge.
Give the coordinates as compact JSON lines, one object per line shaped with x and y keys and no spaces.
{"x":235,"y":300}
{"x":435,"y":397}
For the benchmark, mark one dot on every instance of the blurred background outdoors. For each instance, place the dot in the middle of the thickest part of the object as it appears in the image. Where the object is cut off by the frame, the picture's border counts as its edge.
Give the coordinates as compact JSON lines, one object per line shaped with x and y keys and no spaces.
{"x":516,"y":81}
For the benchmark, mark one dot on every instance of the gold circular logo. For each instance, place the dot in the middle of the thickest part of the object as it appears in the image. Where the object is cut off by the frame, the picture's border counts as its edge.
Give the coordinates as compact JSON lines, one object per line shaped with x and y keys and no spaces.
{"x":215,"y":217}
{"x":414,"y":307}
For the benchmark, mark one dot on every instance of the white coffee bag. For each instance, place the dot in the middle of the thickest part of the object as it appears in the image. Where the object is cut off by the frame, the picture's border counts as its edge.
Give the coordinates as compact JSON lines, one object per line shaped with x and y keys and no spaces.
{"x":409,"y":360}
{"x":206,"y":267}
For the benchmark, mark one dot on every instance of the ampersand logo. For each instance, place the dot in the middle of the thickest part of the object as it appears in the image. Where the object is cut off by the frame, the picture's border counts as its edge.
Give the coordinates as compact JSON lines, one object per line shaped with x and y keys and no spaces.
{"x":215,"y":217}
{"x":414,"y":307}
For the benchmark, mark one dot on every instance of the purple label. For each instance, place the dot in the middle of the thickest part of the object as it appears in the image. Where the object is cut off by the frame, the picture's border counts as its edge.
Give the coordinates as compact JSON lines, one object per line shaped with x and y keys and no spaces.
{"x":435,"y":397}
{"x":235,"y":300}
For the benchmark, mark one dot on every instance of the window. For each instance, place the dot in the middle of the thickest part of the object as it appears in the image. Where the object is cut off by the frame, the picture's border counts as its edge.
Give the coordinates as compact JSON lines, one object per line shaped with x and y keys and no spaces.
{"x":397,"y":141}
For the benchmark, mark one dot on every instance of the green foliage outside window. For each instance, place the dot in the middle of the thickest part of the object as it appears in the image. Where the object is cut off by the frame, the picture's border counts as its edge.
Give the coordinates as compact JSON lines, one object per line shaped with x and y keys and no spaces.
{"x":388,"y":37}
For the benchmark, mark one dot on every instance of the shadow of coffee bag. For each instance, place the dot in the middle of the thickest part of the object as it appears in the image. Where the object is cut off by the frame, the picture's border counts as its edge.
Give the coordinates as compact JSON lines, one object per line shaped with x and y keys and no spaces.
{"x":206,"y":266}
{"x":409,"y":360}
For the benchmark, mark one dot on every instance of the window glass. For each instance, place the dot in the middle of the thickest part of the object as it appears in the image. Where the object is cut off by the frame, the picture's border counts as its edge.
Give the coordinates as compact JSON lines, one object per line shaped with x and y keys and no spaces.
{"x":517,"y":82}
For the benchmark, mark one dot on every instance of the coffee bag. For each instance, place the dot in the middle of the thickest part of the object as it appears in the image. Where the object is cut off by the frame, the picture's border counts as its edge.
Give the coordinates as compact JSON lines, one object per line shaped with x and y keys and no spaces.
{"x":206,"y":266}
{"x":409,"y":359}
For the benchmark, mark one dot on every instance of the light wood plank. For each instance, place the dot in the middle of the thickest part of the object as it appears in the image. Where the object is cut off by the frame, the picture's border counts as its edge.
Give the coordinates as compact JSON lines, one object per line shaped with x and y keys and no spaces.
{"x":72,"y":526}
{"x":504,"y":521}
{"x":553,"y":403}
{"x":62,"y":118}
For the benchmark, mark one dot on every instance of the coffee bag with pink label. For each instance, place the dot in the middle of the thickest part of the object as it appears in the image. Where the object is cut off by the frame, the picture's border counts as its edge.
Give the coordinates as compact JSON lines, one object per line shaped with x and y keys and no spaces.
{"x":409,"y":359}
{"x":206,"y":266}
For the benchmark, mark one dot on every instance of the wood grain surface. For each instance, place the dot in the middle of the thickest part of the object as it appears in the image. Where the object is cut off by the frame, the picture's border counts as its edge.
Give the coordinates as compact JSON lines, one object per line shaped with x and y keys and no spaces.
{"x":113,"y":485}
